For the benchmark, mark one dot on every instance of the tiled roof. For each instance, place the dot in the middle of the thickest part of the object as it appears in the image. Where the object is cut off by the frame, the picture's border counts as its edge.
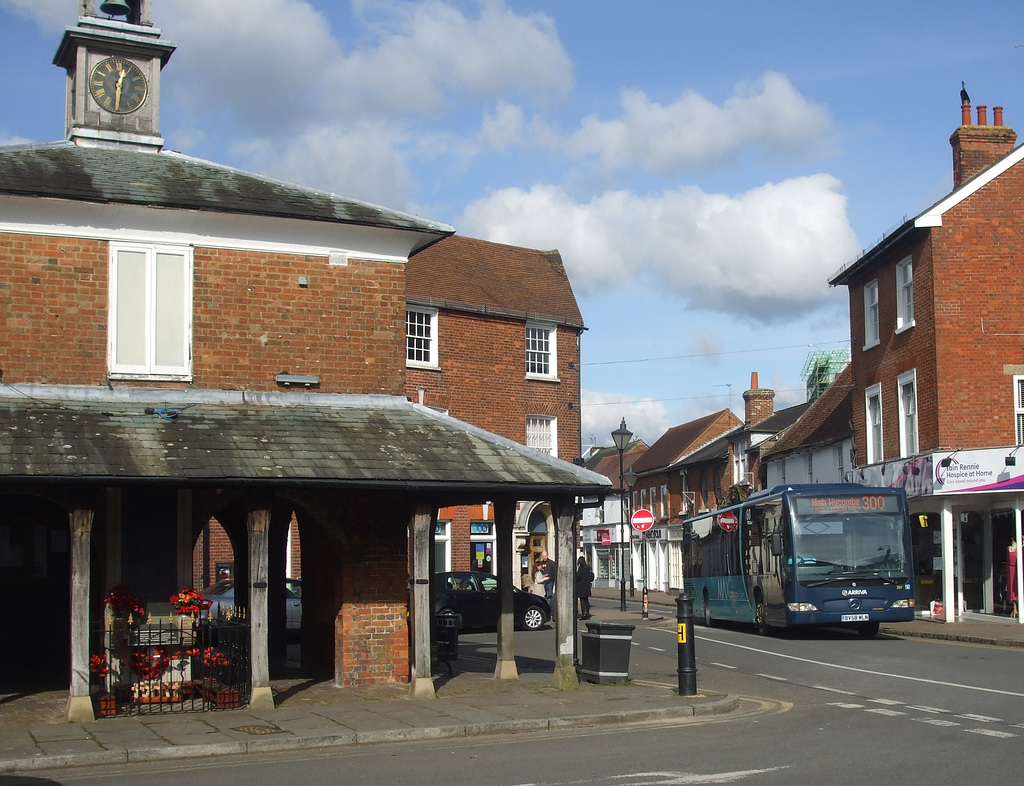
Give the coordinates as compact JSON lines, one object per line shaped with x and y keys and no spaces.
{"x":609,"y":466}
{"x":828,"y":419}
{"x":62,"y":170}
{"x":466,"y":274}
{"x":124,"y":435}
{"x":679,"y":440}
{"x":779,"y":421}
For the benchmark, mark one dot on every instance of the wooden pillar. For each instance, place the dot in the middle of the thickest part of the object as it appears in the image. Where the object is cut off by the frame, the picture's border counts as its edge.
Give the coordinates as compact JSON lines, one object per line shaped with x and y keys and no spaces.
{"x":504,"y":519}
{"x":79,"y":707}
{"x":184,"y":539}
{"x":563,"y":512}
{"x":421,"y":682}
{"x":258,"y":525}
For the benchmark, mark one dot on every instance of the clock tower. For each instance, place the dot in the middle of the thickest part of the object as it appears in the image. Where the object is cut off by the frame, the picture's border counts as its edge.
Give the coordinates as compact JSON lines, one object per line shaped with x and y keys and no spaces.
{"x":113,"y":58}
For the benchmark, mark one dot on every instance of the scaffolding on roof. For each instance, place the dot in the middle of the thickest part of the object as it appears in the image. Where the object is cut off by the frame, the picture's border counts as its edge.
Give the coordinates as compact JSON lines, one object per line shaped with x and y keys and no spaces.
{"x":823,"y":366}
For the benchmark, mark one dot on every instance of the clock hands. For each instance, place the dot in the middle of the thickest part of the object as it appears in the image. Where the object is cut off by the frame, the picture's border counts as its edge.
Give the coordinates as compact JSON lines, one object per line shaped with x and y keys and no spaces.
{"x":117,"y":92}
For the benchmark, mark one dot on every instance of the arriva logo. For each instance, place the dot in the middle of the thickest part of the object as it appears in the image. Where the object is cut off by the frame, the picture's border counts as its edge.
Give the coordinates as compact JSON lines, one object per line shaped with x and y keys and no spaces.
{"x":855,"y":592}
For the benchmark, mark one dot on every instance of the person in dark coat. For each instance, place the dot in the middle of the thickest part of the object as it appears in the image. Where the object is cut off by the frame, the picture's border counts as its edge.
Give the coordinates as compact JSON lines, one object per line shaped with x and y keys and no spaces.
{"x":584,"y":578}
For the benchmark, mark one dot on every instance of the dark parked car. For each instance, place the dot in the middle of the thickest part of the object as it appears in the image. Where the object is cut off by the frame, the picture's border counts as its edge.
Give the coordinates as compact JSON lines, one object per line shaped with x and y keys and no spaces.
{"x":473,"y":597}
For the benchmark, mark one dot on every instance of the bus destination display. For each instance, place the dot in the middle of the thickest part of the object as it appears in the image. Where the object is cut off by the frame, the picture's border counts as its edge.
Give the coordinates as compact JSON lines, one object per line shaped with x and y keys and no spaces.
{"x":860,"y":503}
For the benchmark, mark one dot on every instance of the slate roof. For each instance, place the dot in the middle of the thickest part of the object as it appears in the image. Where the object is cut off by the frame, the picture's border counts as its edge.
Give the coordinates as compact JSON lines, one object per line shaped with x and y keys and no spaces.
{"x":779,"y":421}
{"x":196,"y":437}
{"x":828,"y":419}
{"x":679,"y":440}
{"x":63,"y":170}
{"x":466,"y":274}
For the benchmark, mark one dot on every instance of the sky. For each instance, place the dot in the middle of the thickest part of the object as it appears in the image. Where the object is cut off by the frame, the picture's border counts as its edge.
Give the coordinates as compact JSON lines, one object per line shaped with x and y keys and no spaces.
{"x":703,"y":168}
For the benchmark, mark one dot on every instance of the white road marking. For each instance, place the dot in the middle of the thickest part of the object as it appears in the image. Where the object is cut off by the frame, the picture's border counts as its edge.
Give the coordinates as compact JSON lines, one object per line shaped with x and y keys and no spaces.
{"x":906,"y":677}
{"x":927,"y":709}
{"x":845,"y":705}
{"x":936,"y":722}
{"x":656,"y":649}
{"x":991,"y":733}
{"x":773,"y":677}
{"x":883,"y":711}
{"x":834,"y":690}
{"x":724,"y":665}
{"x":889,"y":702}
{"x":980,"y":718}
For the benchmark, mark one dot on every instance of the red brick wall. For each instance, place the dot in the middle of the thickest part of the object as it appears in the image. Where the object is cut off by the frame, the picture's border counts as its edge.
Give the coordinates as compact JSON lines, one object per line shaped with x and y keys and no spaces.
{"x":482,"y":379}
{"x":251,"y":318}
{"x":966,"y":272}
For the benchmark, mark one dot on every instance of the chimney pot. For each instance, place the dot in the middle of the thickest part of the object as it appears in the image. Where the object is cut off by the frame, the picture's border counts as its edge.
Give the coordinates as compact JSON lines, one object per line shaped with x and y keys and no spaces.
{"x":753,"y":380}
{"x":997,"y":115}
{"x":982,"y":115}
{"x":965,"y":114}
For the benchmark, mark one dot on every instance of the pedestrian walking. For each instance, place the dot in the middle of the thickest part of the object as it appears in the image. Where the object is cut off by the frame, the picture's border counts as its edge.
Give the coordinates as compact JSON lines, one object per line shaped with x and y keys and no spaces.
{"x":549,"y":568}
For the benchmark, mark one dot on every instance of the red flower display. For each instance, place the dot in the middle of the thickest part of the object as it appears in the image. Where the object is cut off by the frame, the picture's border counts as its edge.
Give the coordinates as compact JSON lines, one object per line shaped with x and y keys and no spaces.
{"x":151,"y":666}
{"x":98,"y":665}
{"x":190,"y":601}
{"x":122,"y":602}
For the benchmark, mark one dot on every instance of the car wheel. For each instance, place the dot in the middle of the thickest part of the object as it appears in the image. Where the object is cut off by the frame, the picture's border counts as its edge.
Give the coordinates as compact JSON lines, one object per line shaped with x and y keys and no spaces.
{"x":533,"y":618}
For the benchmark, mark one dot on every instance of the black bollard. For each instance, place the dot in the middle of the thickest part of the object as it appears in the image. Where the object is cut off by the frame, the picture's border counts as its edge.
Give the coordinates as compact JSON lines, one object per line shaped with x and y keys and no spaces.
{"x":687,"y":658}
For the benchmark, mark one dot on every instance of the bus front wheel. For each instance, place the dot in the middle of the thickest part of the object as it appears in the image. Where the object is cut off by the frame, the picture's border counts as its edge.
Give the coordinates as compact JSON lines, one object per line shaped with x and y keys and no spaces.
{"x":760,"y":615}
{"x":867,"y":630}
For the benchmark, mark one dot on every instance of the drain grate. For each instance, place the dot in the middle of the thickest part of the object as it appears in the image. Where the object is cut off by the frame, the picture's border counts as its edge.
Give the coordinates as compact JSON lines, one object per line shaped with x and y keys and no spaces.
{"x":258,"y":729}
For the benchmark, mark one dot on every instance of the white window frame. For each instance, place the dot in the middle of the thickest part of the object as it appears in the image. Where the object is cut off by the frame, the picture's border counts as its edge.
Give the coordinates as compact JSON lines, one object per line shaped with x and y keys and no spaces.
{"x":431,"y":315}
{"x":909,"y":435}
{"x":541,"y":351}
{"x":904,"y":295}
{"x":1018,"y":407}
{"x":147,"y":302}
{"x":542,"y":433}
{"x":664,"y":502}
{"x":872,"y":332}
{"x":873,"y":431}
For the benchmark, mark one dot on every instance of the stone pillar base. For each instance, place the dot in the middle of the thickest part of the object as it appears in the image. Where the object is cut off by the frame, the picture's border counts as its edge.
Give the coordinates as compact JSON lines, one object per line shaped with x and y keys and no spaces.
{"x":80,"y":709}
{"x":262,"y":699}
{"x":565,"y":674}
{"x":422,"y":688}
{"x":506,"y":670}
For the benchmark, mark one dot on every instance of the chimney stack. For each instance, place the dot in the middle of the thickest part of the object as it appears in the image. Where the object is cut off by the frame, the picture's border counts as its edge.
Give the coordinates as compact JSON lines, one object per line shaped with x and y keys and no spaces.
{"x":977,"y":147}
{"x":758,"y":403}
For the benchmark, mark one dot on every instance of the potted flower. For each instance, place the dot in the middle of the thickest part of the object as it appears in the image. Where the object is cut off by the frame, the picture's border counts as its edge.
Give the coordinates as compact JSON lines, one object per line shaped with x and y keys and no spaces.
{"x":122,"y":604}
{"x":104,"y":701}
{"x":189,"y":602}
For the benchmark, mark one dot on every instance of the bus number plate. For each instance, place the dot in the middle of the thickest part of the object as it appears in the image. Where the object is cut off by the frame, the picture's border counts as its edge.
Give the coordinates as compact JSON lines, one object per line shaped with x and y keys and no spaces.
{"x":855,"y":618}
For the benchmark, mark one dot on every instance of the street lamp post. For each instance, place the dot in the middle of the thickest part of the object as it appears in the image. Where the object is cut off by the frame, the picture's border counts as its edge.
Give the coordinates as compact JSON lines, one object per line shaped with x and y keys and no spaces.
{"x":630,"y":478}
{"x":621,"y":436}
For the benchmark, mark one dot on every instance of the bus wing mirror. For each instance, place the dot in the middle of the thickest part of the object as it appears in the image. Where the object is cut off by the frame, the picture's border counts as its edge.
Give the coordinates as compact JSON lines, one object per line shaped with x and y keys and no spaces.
{"x":776,"y":544}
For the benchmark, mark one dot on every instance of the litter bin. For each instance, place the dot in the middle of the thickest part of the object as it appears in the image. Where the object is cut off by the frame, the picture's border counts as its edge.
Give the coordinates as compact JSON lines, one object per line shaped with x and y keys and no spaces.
{"x":447,"y":636}
{"x":606,"y":650}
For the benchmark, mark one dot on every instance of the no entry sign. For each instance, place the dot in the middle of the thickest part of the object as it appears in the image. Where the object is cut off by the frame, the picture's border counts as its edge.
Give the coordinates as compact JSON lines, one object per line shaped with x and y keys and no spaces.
{"x":728,"y":521}
{"x":642,"y":520}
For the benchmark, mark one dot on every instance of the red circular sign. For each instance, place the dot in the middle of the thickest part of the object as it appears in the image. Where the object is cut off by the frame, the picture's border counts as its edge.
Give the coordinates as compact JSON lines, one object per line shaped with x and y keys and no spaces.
{"x":642,"y":520}
{"x":728,"y":521}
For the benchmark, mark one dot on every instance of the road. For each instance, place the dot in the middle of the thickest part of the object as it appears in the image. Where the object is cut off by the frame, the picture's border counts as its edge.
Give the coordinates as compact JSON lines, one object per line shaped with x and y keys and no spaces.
{"x":820,"y":707}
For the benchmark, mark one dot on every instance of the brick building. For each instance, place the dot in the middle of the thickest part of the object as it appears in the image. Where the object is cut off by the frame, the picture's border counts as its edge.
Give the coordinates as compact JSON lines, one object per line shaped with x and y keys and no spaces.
{"x":938,"y":370}
{"x":493,"y":338}
{"x":181,"y":341}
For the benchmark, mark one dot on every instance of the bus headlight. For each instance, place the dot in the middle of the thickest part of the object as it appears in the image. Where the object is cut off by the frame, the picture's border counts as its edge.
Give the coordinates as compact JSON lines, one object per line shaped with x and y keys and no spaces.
{"x":801,"y":607}
{"x":905,"y":603}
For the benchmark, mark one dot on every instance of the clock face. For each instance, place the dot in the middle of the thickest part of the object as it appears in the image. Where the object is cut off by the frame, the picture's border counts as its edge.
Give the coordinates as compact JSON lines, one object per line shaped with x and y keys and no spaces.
{"x":118,"y":85}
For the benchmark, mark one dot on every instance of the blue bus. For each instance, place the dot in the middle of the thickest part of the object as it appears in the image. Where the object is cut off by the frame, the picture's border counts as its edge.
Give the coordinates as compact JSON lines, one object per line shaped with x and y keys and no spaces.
{"x":815,"y":554}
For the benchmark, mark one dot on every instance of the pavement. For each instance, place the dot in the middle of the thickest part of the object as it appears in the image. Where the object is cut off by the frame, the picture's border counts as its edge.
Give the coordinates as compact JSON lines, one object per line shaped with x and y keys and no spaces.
{"x":470,"y":702}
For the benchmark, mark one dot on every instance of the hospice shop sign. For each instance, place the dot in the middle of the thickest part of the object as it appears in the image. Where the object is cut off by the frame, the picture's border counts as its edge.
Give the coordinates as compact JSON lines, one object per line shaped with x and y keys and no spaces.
{"x":953,"y":471}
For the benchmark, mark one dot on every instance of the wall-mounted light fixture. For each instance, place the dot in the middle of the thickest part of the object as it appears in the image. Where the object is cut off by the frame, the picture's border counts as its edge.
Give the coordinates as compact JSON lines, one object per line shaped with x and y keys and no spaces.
{"x":296,"y":379}
{"x":1011,"y":460}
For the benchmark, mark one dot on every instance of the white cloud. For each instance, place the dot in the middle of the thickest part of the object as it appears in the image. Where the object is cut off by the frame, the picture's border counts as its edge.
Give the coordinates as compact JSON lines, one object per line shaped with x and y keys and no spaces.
{"x":768,"y":114}
{"x":764,"y":255}
{"x":601,"y":414}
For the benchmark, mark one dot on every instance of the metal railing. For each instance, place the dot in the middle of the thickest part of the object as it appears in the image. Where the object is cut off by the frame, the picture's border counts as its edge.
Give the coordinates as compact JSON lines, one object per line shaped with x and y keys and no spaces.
{"x":172,"y":664}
